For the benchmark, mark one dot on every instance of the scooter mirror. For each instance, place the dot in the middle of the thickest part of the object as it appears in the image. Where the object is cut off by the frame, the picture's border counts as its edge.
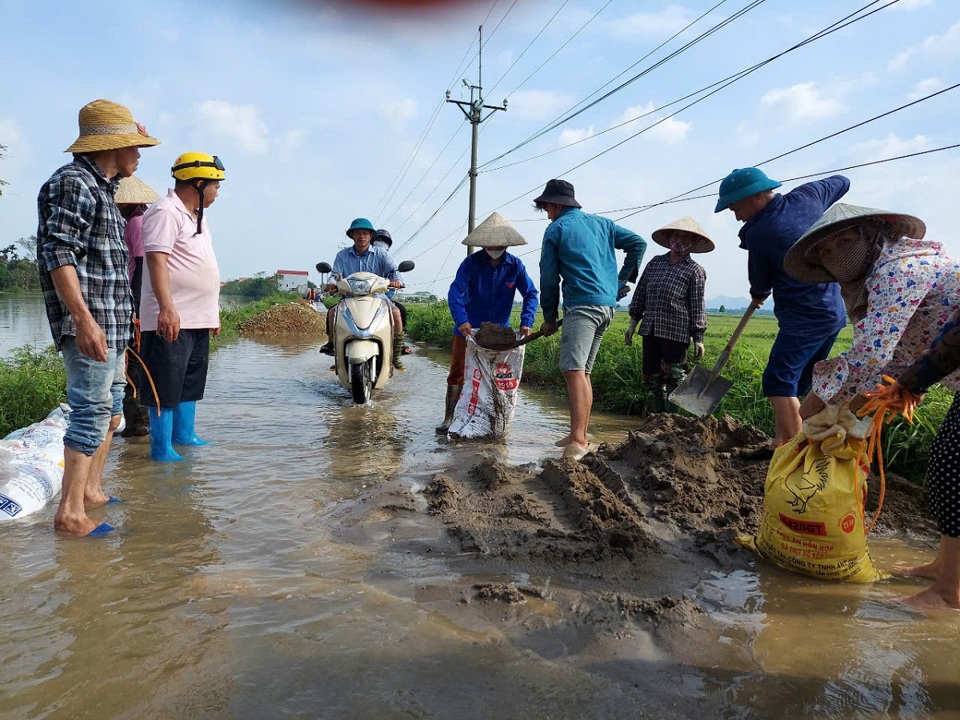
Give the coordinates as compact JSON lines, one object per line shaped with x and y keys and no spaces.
{"x":323,"y":267}
{"x":406,"y":266}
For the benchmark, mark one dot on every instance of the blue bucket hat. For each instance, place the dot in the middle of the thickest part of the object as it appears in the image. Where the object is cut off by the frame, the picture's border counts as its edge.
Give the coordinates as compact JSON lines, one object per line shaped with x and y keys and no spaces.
{"x":742,"y":183}
{"x":361,"y":224}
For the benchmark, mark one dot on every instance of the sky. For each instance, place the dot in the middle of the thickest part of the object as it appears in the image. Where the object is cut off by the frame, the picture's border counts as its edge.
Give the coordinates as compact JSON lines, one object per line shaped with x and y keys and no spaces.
{"x":323,"y":112}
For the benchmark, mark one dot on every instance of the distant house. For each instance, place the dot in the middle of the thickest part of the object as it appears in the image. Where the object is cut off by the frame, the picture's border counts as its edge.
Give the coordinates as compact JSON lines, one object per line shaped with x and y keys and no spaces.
{"x":292,"y":280}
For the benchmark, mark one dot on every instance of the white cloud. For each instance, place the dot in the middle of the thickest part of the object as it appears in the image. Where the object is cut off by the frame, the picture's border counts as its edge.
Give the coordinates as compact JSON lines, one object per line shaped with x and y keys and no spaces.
{"x":937,"y":47}
{"x":890,"y":146}
{"x":670,"y":131}
{"x":291,"y":141}
{"x":538,"y":104}
{"x":925,"y":87}
{"x":241,"y":122}
{"x":398,"y":111}
{"x":572,"y":135}
{"x":801,"y":102}
{"x":665,"y":22}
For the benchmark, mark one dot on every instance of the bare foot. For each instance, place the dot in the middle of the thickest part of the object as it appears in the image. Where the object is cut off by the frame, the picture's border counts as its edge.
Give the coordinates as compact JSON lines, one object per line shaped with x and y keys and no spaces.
{"x":78,"y":526}
{"x":96,"y":500}
{"x":564,"y":442}
{"x":931,"y":599}
{"x":930,"y":571}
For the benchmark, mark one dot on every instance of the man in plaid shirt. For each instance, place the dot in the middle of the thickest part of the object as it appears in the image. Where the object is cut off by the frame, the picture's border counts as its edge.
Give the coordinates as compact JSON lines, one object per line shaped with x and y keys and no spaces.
{"x":83,"y":272}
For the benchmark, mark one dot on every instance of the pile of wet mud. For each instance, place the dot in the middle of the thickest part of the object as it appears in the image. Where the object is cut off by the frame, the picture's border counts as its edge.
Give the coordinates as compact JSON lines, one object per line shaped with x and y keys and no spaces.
{"x":495,"y":337}
{"x":294,"y":319}
{"x":675,"y":485}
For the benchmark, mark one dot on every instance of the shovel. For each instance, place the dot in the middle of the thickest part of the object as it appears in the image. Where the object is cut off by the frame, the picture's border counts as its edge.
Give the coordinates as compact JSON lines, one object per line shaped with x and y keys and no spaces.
{"x":500,"y":347}
{"x":702,"y":390}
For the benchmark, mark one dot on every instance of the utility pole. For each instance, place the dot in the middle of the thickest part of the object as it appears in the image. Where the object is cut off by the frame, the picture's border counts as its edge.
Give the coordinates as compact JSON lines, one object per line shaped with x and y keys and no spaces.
{"x":473,"y":111}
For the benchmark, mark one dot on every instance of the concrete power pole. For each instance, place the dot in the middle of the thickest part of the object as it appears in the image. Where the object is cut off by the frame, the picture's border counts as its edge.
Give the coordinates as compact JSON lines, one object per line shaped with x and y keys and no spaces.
{"x":473,"y":111}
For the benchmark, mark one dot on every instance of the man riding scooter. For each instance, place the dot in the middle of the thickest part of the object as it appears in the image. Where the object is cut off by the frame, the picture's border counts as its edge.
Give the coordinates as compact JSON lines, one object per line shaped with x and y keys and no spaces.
{"x":364,"y":258}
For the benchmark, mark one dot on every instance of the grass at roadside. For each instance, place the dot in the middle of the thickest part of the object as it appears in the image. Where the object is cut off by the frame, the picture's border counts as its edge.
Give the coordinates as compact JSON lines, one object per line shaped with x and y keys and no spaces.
{"x":618,"y":386}
{"x":32,"y":383}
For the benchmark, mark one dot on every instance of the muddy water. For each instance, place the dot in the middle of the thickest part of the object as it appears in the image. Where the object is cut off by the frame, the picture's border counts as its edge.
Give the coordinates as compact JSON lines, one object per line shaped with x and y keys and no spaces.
{"x":289,"y":570}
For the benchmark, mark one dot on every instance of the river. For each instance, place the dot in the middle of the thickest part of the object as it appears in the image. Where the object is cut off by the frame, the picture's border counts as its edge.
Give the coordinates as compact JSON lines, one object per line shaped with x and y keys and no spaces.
{"x":259,"y":579}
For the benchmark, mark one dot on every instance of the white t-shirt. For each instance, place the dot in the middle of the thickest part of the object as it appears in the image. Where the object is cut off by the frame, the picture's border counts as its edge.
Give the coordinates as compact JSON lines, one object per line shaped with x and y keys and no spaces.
{"x":168,"y":227}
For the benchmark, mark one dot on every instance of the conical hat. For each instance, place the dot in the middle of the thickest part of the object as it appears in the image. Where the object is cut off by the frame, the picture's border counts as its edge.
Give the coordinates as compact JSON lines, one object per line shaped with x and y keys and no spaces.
{"x":804,"y":265}
{"x":701,"y":243}
{"x":495,"y":231}
{"x":134,"y":191}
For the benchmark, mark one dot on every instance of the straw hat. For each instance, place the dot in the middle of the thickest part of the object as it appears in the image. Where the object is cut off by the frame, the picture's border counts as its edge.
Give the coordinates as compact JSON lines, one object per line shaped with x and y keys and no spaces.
{"x":802,"y":264}
{"x":105,"y":125}
{"x":495,"y":231}
{"x":701,"y":243}
{"x":134,"y":191}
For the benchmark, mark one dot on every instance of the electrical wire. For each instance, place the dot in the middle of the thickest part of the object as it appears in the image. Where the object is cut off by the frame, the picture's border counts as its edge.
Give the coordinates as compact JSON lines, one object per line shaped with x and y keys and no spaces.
{"x":830,"y":29}
{"x":677,"y":198}
{"x":529,"y":45}
{"x":571,"y":113}
{"x":555,"y":52}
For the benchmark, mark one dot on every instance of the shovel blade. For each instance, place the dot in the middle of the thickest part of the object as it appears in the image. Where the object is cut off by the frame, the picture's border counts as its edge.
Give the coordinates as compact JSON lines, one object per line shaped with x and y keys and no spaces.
{"x":697,"y":394}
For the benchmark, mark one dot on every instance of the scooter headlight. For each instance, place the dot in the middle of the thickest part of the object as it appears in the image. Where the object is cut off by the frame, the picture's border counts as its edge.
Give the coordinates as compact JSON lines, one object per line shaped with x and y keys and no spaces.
{"x":359,"y":287}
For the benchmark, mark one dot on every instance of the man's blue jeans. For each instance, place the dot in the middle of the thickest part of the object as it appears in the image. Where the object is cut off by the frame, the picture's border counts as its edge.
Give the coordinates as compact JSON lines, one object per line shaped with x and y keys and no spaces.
{"x":94,"y":394}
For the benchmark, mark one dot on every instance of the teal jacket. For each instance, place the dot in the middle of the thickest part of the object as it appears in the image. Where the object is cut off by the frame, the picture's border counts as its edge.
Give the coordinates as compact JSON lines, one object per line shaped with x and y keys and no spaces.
{"x":580,"y":248}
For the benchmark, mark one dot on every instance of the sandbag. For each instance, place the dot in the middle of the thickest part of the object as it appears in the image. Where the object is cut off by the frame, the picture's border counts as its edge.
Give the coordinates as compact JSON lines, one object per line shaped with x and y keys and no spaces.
{"x":31,"y":465}
{"x":813,"y":517}
{"x":489,"y":396}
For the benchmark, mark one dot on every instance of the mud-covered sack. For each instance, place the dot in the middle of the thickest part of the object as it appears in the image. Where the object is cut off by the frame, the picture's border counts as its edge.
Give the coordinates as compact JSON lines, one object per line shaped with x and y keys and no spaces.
{"x":31,"y":466}
{"x":816,"y":487}
{"x":489,"y":396}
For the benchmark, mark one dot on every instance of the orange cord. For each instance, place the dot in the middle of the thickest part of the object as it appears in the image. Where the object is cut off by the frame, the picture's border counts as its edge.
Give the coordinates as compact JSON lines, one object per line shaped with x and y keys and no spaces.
{"x":884,"y":404}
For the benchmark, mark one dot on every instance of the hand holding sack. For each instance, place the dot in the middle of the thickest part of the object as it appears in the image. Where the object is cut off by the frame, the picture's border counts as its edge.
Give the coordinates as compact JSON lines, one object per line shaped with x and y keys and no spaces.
{"x":813,"y":502}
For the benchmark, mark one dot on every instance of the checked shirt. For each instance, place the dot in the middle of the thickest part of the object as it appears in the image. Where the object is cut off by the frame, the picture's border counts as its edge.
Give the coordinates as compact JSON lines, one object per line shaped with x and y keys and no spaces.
{"x":669,"y":300}
{"x":80,"y":225}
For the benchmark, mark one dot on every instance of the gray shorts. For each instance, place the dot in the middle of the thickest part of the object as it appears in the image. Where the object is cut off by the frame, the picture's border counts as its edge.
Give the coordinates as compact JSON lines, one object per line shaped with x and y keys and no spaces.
{"x":582,"y":330}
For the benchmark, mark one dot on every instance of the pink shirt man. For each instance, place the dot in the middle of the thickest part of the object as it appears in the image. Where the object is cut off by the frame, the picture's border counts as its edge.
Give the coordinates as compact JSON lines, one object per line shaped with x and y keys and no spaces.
{"x":168,"y":227}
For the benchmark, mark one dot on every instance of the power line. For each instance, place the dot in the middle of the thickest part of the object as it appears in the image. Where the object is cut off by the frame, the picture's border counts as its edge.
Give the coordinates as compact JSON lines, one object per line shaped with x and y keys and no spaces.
{"x":555,"y":52}
{"x":834,"y":27}
{"x":422,"y":178}
{"x":398,"y":178}
{"x":529,"y":45}
{"x":679,"y":198}
{"x":572,"y":113}
{"x":723,"y":84}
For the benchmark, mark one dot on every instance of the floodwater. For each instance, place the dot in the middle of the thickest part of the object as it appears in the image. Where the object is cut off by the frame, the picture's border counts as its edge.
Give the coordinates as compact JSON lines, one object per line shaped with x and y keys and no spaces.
{"x":257,"y":580}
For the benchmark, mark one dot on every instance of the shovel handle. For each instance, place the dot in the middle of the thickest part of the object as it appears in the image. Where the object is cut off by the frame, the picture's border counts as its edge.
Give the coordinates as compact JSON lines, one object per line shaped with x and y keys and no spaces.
{"x":725,"y":355}
{"x":534,"y":336}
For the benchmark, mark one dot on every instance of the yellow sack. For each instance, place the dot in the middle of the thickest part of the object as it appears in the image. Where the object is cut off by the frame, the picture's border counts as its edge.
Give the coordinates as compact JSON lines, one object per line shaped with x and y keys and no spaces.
{"x":812,"y":521}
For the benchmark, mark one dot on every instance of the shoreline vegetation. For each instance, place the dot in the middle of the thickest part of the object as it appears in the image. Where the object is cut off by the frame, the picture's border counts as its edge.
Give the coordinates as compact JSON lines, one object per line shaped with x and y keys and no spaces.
{"x":618,"y":385}
{"x":32,"y":381}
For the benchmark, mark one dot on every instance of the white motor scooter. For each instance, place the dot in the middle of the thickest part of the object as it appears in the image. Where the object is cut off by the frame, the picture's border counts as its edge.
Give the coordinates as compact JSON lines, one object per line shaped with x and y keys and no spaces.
{"x":363,"y":331}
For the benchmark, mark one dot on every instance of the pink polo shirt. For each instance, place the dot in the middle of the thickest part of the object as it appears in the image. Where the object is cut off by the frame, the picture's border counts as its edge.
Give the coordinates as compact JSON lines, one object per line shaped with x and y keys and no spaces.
{"x":168,"y":227}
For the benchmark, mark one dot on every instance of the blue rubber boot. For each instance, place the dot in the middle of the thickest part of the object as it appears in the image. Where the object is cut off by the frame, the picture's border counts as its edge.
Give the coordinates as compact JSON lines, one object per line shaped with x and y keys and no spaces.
{"x":161,"y":432}
{"x":183,"y":418}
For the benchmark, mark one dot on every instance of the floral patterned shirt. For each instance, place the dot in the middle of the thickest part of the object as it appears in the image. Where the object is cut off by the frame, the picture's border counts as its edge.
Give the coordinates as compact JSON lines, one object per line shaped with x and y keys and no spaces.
{"x":914,"y":290}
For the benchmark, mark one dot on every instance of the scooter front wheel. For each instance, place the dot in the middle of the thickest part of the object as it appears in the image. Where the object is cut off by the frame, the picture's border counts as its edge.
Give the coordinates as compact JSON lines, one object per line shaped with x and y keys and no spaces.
{"x":361,"y":382}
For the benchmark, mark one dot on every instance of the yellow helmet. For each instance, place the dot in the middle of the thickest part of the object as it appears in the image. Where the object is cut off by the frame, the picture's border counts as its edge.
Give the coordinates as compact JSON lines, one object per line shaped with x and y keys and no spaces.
{"x":198,"y":165}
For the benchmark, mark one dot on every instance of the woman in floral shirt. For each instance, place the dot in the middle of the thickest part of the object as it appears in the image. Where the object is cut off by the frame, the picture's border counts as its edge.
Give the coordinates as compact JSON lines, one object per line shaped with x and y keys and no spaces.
{"x":899,"y":290}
